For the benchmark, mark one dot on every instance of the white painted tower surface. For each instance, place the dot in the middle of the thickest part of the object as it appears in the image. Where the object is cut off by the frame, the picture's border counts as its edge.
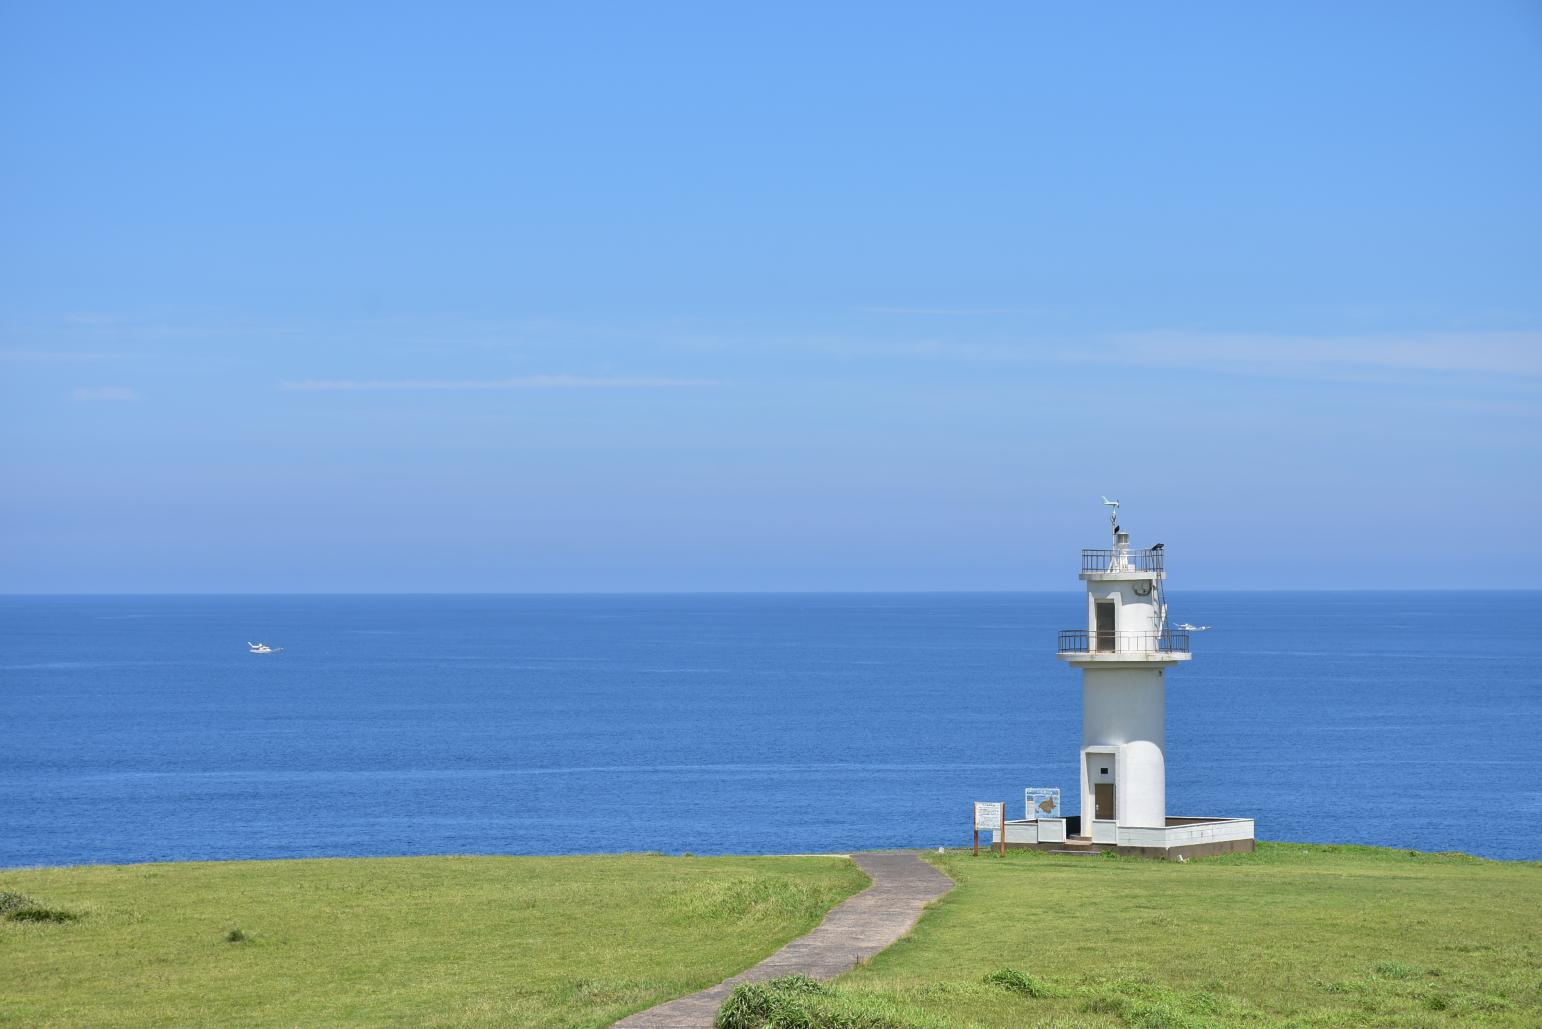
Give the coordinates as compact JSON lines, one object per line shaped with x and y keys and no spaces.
{"x":1124,"y":654}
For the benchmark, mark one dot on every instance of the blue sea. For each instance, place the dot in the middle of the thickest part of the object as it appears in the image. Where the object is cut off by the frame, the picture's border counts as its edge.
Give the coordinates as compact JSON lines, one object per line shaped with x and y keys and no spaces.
{"x":141,"y":729}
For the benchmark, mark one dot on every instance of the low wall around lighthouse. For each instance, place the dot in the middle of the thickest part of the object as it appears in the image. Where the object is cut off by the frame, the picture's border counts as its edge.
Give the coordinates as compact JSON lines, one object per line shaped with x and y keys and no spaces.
{"x":1180,"y":838}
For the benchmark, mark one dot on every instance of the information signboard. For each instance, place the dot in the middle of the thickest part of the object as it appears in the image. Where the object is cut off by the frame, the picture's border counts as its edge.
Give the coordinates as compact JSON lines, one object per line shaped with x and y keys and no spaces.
{"x":1042,"y":802}
{"x":991,"y":816}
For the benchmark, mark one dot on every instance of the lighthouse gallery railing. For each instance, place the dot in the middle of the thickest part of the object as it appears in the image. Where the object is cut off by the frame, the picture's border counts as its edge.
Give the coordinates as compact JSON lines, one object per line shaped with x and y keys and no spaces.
{"x":1124,"y":560}
{"x":1089,"y":641}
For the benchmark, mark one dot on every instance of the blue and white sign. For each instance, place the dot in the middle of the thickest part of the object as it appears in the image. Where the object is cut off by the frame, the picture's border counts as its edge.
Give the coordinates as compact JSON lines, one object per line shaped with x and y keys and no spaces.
{"x":1042,"y":802}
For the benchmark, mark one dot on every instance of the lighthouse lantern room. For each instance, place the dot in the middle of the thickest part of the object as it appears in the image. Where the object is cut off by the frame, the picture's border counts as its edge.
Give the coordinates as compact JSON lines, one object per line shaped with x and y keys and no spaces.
{"x":1124,"y":654}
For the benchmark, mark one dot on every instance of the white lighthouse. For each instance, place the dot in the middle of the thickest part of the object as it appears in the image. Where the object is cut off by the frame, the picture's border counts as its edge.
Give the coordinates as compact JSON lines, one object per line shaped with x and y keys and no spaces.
{"x":1124,"y":654}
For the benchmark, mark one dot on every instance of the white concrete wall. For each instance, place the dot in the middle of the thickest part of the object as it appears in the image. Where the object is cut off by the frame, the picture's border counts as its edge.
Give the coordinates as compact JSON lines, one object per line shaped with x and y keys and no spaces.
{"x":1043,"y":830}
{"x":1052,"y":830}
{"x":1182,"y":835}
{"x":1019,"y":832}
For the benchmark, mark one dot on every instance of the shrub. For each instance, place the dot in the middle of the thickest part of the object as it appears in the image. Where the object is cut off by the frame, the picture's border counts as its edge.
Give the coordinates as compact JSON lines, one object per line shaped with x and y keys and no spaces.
{"x":798,"y":1002}
{"x":38,"y":914}
{"x":15,"y":902}
{"x":236,"y":935}
{"x":1395,"y":970}
{"x":16,"y":907}
{"x":1018,"y":982}
{"x":754,"y":1005}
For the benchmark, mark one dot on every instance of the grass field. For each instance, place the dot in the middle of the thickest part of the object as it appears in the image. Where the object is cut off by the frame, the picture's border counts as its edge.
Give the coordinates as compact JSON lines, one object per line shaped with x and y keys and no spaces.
{"x":574,"y":941}
{"x":1291,"y":935}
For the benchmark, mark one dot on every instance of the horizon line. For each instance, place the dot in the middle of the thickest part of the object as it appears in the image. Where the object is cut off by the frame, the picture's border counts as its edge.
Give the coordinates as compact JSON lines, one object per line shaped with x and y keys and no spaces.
{"x":710,"y":593}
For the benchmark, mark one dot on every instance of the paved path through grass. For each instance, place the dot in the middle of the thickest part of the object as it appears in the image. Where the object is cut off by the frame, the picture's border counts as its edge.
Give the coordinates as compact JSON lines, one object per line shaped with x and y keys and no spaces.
{"x":853,"y":931}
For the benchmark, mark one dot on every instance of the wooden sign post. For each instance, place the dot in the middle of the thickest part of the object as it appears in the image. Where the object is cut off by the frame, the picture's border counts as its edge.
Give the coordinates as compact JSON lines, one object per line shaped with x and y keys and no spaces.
{"x":990,"y":814}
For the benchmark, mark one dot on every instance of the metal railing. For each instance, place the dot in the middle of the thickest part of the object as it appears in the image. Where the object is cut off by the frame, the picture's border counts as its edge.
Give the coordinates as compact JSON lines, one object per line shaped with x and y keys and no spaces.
{"x":1121,"y":559}
{"x":1088,"y":641}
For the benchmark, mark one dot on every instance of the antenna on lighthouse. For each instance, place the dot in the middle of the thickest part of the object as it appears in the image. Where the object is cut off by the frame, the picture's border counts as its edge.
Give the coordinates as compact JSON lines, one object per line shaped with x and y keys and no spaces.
{"x":1113,"y":513}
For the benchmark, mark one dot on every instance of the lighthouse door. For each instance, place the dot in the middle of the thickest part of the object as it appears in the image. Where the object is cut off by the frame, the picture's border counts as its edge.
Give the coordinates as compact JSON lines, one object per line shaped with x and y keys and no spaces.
{"x":1101,"y":789}
{"x":1105,"y":619}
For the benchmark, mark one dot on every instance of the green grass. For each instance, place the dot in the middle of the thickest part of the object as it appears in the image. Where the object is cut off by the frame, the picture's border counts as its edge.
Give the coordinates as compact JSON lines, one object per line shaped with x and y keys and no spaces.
{"x":1291,"y":935}
{"x":560,"y":942}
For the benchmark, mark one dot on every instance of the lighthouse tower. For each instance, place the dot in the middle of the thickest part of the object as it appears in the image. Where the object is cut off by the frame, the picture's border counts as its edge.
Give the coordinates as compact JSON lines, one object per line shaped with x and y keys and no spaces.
{"x":1124,"y":654}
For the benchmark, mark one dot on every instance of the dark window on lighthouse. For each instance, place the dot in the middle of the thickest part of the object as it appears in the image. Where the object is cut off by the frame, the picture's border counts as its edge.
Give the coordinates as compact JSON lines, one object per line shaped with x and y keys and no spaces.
{"x":1104,"y":610}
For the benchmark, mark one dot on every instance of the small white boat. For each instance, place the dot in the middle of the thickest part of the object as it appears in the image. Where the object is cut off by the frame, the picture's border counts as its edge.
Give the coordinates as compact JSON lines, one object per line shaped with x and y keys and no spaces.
{"x":262,"y":648}
{"x":1191,"y":627}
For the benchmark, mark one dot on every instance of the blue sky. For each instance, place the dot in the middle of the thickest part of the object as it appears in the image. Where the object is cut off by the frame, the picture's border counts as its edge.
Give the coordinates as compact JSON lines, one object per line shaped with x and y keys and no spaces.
{"x":673,"y":297}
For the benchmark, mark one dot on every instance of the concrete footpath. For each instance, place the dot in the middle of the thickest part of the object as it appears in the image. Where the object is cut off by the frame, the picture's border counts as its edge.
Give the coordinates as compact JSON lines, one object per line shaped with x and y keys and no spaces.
{"x":853,"y":931}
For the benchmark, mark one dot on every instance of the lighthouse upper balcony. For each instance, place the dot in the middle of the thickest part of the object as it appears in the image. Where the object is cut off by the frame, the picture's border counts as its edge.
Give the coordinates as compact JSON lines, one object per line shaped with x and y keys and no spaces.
{"x":1122,"y":562}
{"x":1085,"y":645}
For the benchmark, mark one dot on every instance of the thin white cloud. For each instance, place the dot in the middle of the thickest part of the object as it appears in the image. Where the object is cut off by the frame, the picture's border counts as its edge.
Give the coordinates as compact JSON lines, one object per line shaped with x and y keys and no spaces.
{"x":1513,"y":357}
{"x":521,"y":382}
{"x":103,"y":393}
{"x":964,"y":312}
{"x":24,"y":355}
{"x":1473,"y":353}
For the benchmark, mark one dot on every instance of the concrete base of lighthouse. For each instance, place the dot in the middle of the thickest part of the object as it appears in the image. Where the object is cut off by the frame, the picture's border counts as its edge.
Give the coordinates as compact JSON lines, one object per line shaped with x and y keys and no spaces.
{"x":1179,"y":838}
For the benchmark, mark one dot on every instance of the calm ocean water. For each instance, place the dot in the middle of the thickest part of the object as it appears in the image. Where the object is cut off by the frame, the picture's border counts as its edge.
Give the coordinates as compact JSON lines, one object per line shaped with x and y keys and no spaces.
{"x":140,"y":729}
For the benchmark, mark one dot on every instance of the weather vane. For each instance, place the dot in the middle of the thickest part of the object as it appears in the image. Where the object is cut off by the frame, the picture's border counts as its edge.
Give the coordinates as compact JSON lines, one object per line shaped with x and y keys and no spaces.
{"x":1113,"y":513}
